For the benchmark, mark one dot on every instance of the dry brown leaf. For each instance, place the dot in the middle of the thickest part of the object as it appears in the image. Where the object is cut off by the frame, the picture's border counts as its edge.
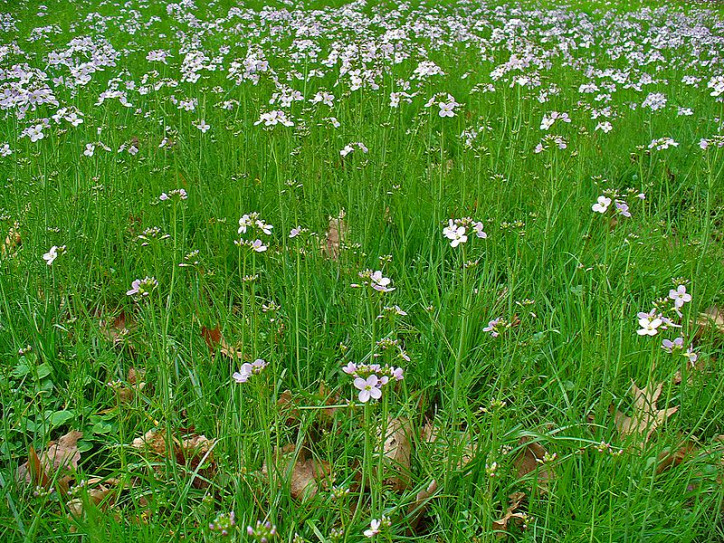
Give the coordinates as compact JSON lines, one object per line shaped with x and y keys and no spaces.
{"x":12,"y":240}
{"x":193,"y":452}
{"x":214,"y":338}
{"x":422,"y":501}
{"x":117,"y":329}
{"x":126,"y":394}
{"x":711,"y":317}
{"x":397,"y":450}
{"x":336,"y":235}
{"x":430,"y":434}
{"x":98,"y":491}
{"x":532,"y":458}
{"x":304,"y":475}
{"x":669,"y":458}
{"x":60,"y":458}
{"x":510,"y":513}
{"x":647,"y":417}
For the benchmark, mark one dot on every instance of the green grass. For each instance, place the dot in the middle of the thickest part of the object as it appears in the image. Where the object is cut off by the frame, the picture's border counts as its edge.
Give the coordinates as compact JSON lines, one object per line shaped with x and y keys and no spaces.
{"x":568,"y":281}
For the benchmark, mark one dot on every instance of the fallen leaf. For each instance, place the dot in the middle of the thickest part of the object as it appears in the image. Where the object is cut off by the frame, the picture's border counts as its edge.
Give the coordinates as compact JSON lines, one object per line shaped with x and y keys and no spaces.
{"x":510,"y":513}
{"x":193,"y":452}
{"x":422,"y":501}
{"x":117,"y":329}
{"x":98,"y":490}
{"x":647,"y":417}
{"x":12,"y":240}
{"x":397,"y":450}
{"x":55,"y":462}
{"x":336,"y":234}
{"x":712,"y":317}
{"x":668,"y":458}
{"x":531,"y":458}
{"x":214,"y":338}
{"x":304,"y":475}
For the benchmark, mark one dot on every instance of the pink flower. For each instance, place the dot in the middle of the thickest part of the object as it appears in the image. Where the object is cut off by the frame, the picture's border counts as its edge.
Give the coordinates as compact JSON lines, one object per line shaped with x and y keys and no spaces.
{"x":680,"y":296}
{"x":368,"y":388}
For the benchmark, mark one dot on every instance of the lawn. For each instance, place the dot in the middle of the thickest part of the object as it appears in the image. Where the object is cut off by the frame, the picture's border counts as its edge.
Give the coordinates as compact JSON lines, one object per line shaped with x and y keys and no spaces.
{"x":376,"y":271}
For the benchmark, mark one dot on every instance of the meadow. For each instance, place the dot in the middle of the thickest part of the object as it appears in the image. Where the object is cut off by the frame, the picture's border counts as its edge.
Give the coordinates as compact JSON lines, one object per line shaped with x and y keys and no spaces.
{"x":374,"y":271}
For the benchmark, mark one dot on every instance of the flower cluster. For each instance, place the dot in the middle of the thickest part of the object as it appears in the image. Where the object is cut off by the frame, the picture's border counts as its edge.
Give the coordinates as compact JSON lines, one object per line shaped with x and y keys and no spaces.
{"x":350,"y":147}
{"x":141,"y":288}
{"x":223,"y":524}
{"x":273,"y":118}
{"x":370,"y":378}
{"x":175,"y":195}
{"x":661,"y":144}
{"x":247,"y":370}
{"x":497,"y":326}
{"x":456,"y":230}
{"x":252,"y":222}
{"x":375,"y":280}
{"x":620,"y":206}
{"x":549,"y":140}
{"x":658,"y":318}
{"x":377,"y":525}
{"x":151,"y":235}
{"x":263,"y":532}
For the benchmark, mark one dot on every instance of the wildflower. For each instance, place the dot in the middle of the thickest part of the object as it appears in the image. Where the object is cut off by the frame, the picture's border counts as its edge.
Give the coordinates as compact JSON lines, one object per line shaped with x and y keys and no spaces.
{"x":142,"y":287}
{"x":35,"y":132}
{"x":351,"y":147}
{"x":493,"y":327}
{"x":247,"y":370}
{"x":447,"y":109}
{"x":649,"y":323}
{"x":622,"y":208}
{"x":374,"y":528}
{"x":380,"y":283}
{"x":53,"y":253}
{"x":5,"y":150}
{"x":263,"y":532}
{"x":273,"y":118}
{"x":670,"y":346}
{"x":175,"y":195}
{"x":662,"y":143}
{"x":223,"y":523}
{"x":478,"y":227}
{"x":201,"y":125}
{"x":89,"y":149}
{"x":601,"y":204}
{"x":368,"y":388}
{"x":680,"y":296}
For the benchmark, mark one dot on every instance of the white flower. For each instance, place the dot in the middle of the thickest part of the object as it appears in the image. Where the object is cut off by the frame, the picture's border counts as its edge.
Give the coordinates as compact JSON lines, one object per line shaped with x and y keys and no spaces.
{"x":374,"y":528}
{"x":601,"y":205}
{"x":649,"y":325}
{"x":53,"y":253}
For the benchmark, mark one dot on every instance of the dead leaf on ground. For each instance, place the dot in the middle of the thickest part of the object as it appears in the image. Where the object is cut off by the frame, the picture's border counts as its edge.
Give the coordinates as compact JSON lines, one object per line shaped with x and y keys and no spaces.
{"x":304,"y":475}
{"x":457,"y":441}
{"x":397,"y":450}
{"x":533,"y":457}
{"x":336,"y":235}
{"x":671,"y":458}
{"x":12,"y":240}
{"x":98,"y":490}
{"x":422,"y":501}
{"x":511,"y":513}
{"x":126,"y":394}
{"x":116,"y":329}
{"x":646,"y":417}
{"x":193,"y":452}
{"x":214,"y":338}
{"x":60,"y":458}
{"x":712,"y":317}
